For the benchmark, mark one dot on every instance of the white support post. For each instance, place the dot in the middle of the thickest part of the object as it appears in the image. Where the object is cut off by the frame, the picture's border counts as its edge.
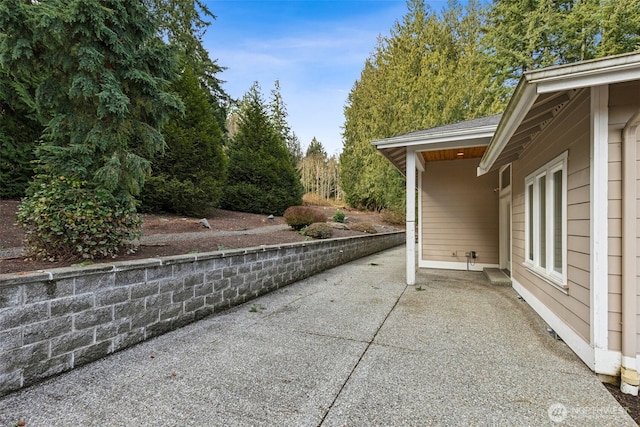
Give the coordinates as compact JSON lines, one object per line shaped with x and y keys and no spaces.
{"x":411,"y":216}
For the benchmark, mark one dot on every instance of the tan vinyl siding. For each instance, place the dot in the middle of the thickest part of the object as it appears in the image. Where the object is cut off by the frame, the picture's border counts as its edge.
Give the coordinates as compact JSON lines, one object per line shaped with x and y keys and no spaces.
{"x":459,"y":212}
{"x":624,"y":101}
{"x":569,"y":131}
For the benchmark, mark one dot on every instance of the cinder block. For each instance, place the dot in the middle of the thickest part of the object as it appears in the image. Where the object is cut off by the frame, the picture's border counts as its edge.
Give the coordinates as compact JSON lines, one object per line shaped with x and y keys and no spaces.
{"x":110,"y":330}
{"x":93,"y":282}
{"x":47,"y":368}
{"x":129,"y":277}
{"x":24,"y":356}
{"x":70,"y":305}
{"x":160,"y":272}
{"x":128,"y":309}
{"x":91,"y":353}
{"x":93,"y":317}
{"x":145,"y":318}
{"x":40,"y":331}
{"x":44,"y":291}
{"x":111,"y":296}
{"x":70,"y":342}
{"x":171,"y":285}
{"x":171,"y":311}
{"x":10,"y":296}
{"x":10,"y":339}
{"x":157,"y":300}
{"x":193,"y":304}
{"x":145,"y":289}
{"x":10,"y":382}
{"x":183,"y":295}
{"x":203,"y":289}
{"x":128,"y":339}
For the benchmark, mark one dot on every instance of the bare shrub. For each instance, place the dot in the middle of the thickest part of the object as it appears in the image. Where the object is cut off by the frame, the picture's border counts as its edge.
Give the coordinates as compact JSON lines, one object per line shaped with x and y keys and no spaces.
{"x":298,"y":217}
{"x":393,"y":217}
{"x":364,"y":227}
{"x":313,"y":199}
{"x":319,"y":230}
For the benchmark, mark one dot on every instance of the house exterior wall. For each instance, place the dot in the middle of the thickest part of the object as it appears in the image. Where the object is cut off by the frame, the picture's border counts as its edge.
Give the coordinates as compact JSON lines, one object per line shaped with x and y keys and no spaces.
{"x":459,"y":214}
{"x":569,"y":132}
{"x":624,"y":101}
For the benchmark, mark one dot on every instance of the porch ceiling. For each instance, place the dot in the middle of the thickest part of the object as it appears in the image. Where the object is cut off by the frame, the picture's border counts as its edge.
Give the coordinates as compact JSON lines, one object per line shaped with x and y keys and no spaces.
{"x":454,"y":154}
{"x":470,"y":137}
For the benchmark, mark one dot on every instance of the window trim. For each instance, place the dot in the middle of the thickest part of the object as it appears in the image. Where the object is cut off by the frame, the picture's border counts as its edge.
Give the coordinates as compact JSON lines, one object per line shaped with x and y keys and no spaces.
{"x":532,"y":224}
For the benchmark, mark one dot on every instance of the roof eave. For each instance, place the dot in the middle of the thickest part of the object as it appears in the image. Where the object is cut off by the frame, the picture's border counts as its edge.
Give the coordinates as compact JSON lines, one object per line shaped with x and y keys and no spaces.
{"x":523,"y":98}
{"x":436,"y":138}
{"x":553,"y":79}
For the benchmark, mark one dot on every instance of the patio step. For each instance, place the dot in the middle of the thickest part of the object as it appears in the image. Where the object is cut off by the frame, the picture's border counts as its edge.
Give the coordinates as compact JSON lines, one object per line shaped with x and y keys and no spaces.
{"x":496,"y":277}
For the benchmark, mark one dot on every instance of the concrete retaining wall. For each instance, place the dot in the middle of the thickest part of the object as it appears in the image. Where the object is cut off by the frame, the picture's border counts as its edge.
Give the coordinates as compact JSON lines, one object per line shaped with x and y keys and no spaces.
{"x":54,"y":321}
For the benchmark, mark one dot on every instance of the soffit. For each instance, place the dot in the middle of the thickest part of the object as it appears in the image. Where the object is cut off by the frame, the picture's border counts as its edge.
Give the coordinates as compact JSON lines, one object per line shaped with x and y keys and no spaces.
{"x":441,"y":143}
{"x":540,"y":115}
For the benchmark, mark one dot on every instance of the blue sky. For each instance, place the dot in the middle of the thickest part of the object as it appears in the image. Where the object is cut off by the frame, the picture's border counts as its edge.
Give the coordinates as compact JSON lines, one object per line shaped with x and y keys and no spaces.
{"x":315,"y":48}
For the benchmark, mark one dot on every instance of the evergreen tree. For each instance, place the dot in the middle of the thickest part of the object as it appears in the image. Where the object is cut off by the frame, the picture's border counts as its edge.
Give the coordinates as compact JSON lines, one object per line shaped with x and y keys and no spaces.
{"x":294,"y":147}
{"x":102,"y":75}
{"x":19,"y":132}
{"x":278,"y":116}
{"x":261,"y":177}
{"x":316,"y":149}
{"x":431,"y":70}
{"x":189,"y":177}
{"x":527,"y":34}
{"x":183,"y":24}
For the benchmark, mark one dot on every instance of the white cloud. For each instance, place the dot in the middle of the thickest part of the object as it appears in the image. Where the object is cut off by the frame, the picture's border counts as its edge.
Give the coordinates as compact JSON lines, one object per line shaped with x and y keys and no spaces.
{"x":316,"y":63}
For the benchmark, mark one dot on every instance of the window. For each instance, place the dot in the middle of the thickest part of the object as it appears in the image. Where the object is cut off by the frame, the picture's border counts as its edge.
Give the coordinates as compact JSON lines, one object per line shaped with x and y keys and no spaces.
{"x":505,"y":177}
{"x":545,"y":221}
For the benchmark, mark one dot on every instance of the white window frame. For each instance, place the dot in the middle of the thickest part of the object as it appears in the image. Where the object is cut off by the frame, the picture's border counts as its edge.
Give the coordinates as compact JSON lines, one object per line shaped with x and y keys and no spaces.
{"x":532,"y":222}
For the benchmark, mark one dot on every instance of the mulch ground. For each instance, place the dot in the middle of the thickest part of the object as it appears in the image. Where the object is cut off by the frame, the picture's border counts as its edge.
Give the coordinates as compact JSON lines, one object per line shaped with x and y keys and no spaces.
{"x":200,"y":238}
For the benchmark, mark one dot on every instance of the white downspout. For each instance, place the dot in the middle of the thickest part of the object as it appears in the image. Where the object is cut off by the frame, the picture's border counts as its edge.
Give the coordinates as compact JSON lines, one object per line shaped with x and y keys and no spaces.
{"x":629,"y":379}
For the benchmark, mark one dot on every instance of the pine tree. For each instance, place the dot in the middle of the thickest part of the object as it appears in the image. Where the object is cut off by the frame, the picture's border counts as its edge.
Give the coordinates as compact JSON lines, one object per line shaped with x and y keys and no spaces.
{"x":431,"y":70}
{"x":102,"y":76}
{"x":188,"y":179}
{"x":278,"y":116}
{"x":183,"y":24}
{"x":261,"y":177}
{"x":528,"y":34}
{"x":20,"y":130}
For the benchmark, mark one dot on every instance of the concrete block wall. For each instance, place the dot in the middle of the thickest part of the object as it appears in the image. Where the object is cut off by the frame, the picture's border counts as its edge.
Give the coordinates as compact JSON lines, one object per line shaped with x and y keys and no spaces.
{"x":57,"y":320}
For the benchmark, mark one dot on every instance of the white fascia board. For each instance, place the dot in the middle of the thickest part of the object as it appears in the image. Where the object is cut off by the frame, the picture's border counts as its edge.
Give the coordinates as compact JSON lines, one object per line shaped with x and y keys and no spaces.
{"x":452,"y":139}
{"x":586,"y":74}
{"x":521,"y":101}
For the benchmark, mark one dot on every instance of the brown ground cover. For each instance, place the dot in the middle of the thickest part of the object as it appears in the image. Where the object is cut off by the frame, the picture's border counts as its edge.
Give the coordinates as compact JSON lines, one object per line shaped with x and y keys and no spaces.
{"x":175,"y":235}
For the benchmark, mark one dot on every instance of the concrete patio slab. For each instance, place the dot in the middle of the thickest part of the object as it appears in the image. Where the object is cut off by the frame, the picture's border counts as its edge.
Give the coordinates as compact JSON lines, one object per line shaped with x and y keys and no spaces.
{"x":351,"y":346}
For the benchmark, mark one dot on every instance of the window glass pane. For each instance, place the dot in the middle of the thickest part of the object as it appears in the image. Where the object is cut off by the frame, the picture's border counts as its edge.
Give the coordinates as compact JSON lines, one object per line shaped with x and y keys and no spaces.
{"x":542,"y":231}
{"x":505,"y":179}
{"x":530,"y":214}
{"x":557,"y":221}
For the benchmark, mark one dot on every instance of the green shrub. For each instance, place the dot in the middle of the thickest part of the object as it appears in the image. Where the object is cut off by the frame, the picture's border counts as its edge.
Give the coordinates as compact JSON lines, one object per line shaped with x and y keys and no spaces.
{"x":166,"y":194}
{"x":364,"y":227}
{"x":392,"y":216}
{"x":338,"y":216}
{"x":298,"y":217}
{"x":319,"y":230}
{"x":65,"y":219}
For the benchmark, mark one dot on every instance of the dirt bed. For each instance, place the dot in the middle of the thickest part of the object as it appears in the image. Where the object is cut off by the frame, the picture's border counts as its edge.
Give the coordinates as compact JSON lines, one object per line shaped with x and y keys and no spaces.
{"x":165,"y":235}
